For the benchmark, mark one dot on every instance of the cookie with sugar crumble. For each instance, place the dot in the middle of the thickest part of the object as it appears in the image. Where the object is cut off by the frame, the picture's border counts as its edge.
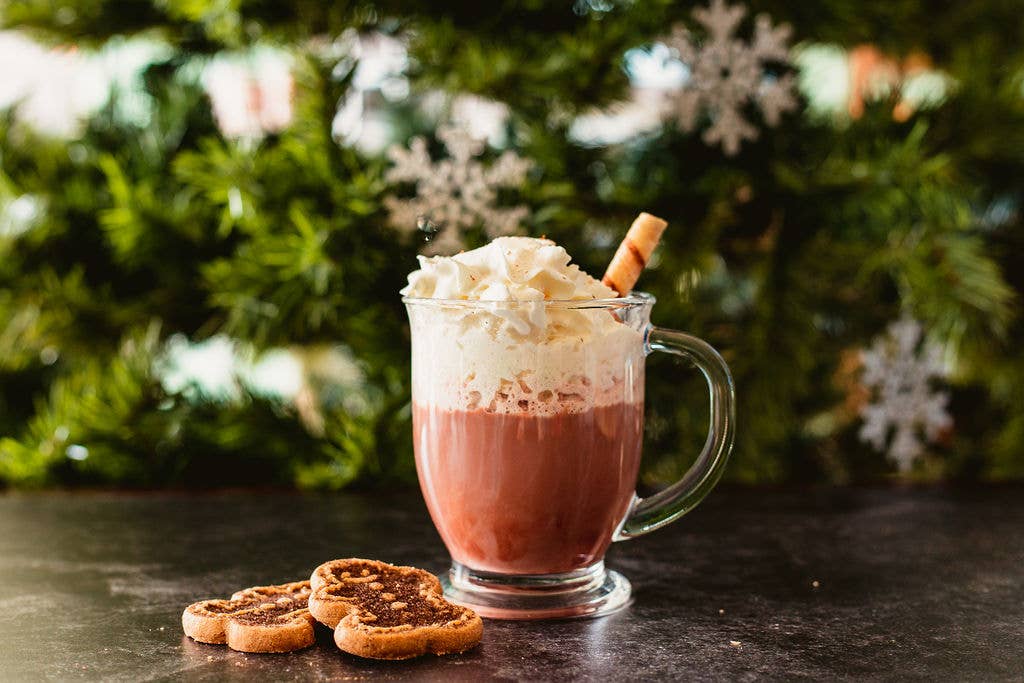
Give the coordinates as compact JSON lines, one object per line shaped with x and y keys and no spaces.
{"x":260,"y":619}
{"x":382,"y":611}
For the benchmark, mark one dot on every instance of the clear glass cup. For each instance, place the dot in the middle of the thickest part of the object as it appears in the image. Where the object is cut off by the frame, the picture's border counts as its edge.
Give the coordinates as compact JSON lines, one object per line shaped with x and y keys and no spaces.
{"x":528,"y":428}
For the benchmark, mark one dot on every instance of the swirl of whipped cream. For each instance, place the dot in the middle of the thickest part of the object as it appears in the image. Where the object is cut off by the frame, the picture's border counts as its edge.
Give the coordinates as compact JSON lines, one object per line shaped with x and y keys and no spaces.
{"x":507,"y":269}
{"x":508,"y":347}
{"x":511,"y":269}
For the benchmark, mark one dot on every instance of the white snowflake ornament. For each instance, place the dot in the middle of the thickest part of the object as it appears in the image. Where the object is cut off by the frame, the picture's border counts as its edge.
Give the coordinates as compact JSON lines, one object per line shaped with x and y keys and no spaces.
{"x":454,"y":194}
{"x":727,"y":73}
{"x":899,"y":370}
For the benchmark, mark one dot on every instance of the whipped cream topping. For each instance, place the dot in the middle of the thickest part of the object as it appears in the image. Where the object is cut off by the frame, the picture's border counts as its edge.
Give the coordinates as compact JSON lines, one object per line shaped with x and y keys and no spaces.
{"x":507,"y":269}
{"x":504,"y":335}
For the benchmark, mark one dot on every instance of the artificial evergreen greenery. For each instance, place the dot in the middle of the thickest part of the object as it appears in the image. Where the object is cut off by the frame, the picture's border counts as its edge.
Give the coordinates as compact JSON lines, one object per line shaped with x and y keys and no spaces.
{"x":789,"y":256}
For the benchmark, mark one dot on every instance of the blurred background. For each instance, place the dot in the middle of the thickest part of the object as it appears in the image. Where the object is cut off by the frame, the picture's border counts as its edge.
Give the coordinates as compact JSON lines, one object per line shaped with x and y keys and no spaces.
{"x":207,"y":208}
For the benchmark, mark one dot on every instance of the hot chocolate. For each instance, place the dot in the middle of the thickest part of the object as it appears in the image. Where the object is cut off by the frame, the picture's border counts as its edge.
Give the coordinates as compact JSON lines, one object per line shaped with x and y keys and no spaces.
{"x":527,"y":403}
{"x":527,"y":407}
{"x":528,"y":494}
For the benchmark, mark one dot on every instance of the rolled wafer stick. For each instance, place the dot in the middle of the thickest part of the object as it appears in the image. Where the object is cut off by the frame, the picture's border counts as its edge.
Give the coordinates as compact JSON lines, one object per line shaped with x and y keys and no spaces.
{"x":634,"y":252}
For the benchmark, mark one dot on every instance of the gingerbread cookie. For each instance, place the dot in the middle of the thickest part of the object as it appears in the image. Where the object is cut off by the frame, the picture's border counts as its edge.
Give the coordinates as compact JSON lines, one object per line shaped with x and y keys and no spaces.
{"x":382,"y":611}
{"x":261,"y":619}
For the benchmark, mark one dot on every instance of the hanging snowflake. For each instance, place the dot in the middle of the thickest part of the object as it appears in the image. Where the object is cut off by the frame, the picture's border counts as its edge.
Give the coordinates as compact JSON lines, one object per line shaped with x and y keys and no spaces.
{"x":455,"y":193}
{"x":727,"y":73}
{"x":899,"y":369}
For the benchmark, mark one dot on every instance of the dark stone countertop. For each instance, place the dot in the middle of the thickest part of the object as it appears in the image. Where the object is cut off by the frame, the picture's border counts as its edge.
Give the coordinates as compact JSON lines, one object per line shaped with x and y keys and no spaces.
{"x":911,"y":584}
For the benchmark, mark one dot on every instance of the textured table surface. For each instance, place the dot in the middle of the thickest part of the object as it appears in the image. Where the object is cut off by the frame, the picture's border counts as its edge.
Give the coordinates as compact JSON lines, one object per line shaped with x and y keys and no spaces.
{"x":910,"y":584}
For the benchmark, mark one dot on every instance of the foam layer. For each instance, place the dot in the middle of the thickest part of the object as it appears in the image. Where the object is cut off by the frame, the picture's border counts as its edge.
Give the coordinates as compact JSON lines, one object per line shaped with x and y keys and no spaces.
{"x":505,"y":349}
{"x":460,"y":364}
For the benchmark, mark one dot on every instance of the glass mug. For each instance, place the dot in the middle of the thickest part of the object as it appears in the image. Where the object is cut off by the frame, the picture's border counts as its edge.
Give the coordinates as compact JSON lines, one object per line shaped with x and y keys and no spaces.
{"x":528,"y":428}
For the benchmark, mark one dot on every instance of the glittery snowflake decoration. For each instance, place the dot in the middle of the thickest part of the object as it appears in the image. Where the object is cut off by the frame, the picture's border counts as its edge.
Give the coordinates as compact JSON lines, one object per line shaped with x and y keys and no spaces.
{"x":454,"y":194}
{"x":899,"y":368}
{"x":727,"y":73}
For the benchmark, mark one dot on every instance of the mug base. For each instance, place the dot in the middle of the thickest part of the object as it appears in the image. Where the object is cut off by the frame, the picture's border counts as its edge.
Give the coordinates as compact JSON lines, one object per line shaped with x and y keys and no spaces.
{"x":585,"y":593}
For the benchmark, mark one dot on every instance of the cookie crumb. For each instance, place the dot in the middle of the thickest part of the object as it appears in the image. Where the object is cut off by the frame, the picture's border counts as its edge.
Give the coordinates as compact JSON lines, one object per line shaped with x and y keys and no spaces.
{"x":815,"y":583}
{"x":721,"y":611}
{"x":735,"y":643}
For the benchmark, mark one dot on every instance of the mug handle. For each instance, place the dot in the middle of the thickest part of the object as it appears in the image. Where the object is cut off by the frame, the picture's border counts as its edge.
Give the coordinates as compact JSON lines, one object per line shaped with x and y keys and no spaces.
{"x":647,"y":514}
